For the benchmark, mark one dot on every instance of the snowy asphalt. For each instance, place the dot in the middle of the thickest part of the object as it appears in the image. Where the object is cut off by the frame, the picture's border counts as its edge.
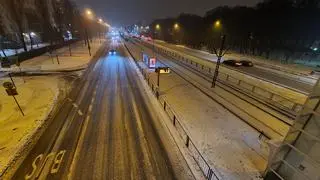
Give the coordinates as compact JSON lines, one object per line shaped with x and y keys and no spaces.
{"x":104,"y":130}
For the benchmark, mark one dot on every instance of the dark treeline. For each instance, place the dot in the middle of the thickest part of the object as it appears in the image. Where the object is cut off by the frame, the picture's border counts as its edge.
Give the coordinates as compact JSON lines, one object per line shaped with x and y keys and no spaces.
{"x":289,"y":27}
{"x":25,"y":22}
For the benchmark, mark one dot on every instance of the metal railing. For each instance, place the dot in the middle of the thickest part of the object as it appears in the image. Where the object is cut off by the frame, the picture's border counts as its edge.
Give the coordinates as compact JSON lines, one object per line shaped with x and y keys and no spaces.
{"x":206,"y":169}
{"x":258,"y":92}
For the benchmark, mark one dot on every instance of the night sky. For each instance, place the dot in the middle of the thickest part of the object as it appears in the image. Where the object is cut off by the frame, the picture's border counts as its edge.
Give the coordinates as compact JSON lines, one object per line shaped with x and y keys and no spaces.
{"x":124,"y":12}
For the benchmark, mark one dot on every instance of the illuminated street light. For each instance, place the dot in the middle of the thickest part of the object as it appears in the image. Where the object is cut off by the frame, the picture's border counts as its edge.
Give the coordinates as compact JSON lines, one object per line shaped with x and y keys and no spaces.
{"x":158,"y":26}
{"x":217,"y":23}
{"x":100,"y":20}
{"x":176,"y":26}
{"x":89,"y":12}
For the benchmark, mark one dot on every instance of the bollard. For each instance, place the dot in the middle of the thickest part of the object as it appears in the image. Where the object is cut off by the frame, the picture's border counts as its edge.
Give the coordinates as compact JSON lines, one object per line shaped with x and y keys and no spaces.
{"x":174,"y":120}
{"x":164,"y":105}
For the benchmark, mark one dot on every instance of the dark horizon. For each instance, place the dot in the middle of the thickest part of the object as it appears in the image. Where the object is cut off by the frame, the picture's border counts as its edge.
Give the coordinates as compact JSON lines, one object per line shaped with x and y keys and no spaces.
{"x":121,"y":12}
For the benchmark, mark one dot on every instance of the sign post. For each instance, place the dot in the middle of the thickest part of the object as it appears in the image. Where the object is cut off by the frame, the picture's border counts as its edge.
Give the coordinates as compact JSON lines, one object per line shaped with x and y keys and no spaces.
{"x":12,"y":91}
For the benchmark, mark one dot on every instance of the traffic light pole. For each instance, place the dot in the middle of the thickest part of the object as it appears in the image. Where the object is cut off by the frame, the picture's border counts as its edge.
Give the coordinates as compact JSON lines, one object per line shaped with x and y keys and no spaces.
{"x":220,"y":54}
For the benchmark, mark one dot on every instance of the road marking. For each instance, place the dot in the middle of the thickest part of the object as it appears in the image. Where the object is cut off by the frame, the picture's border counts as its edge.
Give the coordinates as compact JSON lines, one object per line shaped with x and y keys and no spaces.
{"x":143,"y":141}
{"x":78,"y":148}
{"x":80,"y":113}
{"x":41,"y":160}
{"x":75,"y":105}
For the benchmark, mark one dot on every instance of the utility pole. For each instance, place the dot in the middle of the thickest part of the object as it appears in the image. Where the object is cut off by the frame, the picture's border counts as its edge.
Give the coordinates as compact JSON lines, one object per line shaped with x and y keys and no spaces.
{"x":219,"y":54}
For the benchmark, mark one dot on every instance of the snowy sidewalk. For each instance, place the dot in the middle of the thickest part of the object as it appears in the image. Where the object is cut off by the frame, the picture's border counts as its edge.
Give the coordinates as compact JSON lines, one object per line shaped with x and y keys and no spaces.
{"x":223,"y":139}
{"x":37,"y":97}
{"x":60,"y":60}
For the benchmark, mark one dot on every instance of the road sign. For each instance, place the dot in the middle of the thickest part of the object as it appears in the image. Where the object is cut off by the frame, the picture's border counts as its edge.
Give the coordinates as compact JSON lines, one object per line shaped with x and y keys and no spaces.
{"x":12,"y":92}
{"x":8,"y":85}
{"x":162,"y":70}
{"x":165,"y":71}
{"x":10,"y":89}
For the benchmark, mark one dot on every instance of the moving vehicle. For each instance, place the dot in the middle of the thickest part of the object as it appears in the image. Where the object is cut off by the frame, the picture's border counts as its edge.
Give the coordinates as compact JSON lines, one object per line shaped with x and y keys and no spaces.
{"x":246,"y":63}
{"x":112,"y":52}
{"x":232,"y":62}
{"x":315,"y":72}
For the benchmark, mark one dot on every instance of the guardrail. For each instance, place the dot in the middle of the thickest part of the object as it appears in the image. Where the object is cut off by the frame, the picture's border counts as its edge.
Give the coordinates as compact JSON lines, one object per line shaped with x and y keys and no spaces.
{"x":258,"y":92}
{"x":206,"y":169}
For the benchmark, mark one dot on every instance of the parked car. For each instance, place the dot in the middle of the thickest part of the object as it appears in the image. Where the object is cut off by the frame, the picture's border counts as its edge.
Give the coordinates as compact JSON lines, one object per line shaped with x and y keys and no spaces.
{"x":234,"y":63}
{"x":246,"y":63}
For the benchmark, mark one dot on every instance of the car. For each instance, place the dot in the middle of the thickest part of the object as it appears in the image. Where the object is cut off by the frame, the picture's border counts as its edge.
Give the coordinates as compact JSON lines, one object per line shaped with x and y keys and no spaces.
{"x":246,"y":63}
{"x":231,"y":62}
{"x":112,"y":52}
{"x":315,"y":72}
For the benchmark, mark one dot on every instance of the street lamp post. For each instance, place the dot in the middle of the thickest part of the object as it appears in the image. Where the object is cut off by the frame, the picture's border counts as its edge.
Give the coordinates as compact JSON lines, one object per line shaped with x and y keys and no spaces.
{"x":154,"y":35}
{"x":176,"y":27}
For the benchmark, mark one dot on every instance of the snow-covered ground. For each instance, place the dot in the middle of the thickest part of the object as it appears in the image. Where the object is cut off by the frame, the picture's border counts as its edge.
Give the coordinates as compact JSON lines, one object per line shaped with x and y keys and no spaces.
{"x":227,"y":143}
{"x":289,"y":94}
{"x":38,"y":95}
{"x":10,"y":52}
{"x":78,"y":59}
